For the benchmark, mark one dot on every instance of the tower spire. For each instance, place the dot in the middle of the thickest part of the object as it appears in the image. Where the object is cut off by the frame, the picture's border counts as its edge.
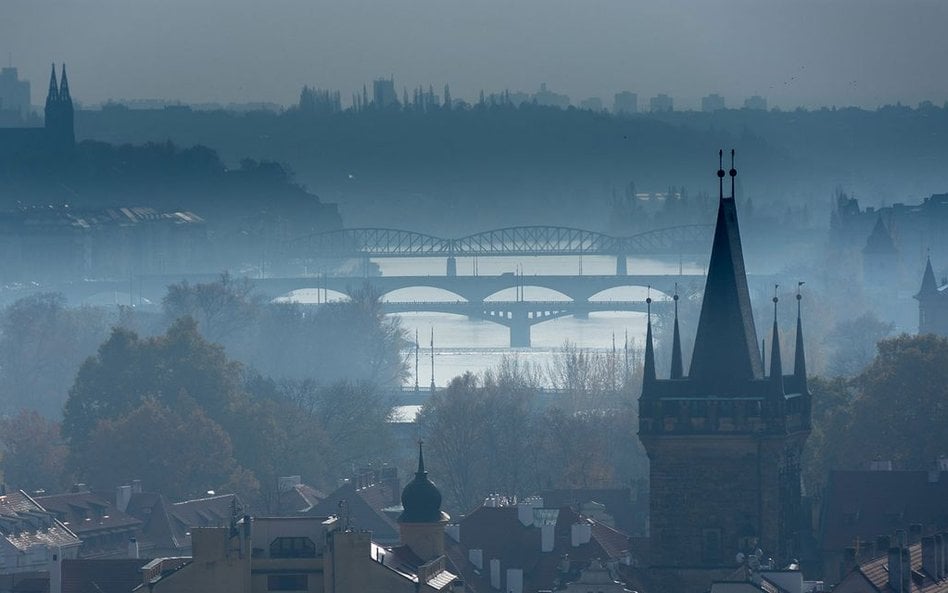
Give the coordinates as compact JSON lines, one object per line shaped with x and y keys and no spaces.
{"x":648,"y":370}
{"x":929,"y":286}
{"x":776,"y":364}
{"x":64,"y":86}
{"x":53,"y":95}
{"x":799,"y":358}
{"x":677,"y":368}
{"x":725,"y":350}
{"x":421,"y":459}
{"x":720,"y":174}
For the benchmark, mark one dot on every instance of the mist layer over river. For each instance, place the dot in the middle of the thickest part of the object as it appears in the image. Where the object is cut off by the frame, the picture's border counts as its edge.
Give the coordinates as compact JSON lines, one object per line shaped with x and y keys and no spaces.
{"x":462,"y":344}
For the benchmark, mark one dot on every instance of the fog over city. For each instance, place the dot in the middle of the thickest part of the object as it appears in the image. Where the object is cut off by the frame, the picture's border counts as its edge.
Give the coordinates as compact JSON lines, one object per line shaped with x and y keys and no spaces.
{"x":473,"y":297}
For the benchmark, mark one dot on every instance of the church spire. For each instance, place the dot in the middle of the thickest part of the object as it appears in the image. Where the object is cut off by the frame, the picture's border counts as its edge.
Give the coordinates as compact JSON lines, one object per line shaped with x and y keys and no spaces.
{"x":776,"y":363}
{"x":64,"y":86}
{"x":421,"y":459}
{"x":726,"y":340}
{"x":648,"y":370}
{"x":799,"y":358}
{"x":53,"y":95}
{"x":677,"y":368}
{"x":929,"y":286}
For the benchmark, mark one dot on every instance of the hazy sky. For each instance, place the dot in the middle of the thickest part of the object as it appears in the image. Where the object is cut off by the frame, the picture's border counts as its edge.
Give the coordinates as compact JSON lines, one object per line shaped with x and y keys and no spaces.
{"x":843,"y":52}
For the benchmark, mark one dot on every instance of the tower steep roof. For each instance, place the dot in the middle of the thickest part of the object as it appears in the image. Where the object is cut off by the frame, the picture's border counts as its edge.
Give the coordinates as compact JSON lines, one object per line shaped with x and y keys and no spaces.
{"x":726,"y":340}
{"x":929,"y":285}
{"x":880,"y":239}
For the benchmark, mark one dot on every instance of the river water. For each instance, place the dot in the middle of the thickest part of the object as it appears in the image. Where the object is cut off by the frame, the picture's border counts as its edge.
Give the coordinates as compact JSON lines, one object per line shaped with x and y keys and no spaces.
{"x":463,"y":345}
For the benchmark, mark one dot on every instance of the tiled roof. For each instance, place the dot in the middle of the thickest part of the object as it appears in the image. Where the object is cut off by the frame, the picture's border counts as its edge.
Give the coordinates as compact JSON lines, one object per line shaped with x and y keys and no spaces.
{"x":366,"y":508}
{"x":500,"y":534}
{"x":85,"y":512}
{"x":877,"y":572}
{"x":865,"y":504}
{"x":102,"y":576}
{"x":629,"y":515}
{"x":24,"y":523}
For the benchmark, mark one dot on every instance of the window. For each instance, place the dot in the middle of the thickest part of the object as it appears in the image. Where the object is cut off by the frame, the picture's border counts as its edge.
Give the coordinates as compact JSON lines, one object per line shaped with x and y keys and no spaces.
{"x":711,"y":546}
{"x":292,"y":547}
{"x":287,"y":582}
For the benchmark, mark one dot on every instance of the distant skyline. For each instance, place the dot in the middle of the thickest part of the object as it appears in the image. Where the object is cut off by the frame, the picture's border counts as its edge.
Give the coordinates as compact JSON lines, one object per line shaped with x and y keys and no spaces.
{"x":805,"y":53}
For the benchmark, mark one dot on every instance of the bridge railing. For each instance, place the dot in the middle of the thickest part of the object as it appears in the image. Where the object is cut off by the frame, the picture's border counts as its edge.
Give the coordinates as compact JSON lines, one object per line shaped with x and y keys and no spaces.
{"x":520,"y":240}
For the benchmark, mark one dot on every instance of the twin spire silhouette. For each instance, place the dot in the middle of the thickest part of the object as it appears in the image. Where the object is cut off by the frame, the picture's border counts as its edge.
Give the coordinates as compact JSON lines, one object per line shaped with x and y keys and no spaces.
{"x":725,"y":351}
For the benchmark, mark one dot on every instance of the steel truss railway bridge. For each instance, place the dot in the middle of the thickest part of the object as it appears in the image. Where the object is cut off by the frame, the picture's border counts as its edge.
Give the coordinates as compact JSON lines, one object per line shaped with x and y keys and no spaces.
{"x":367,"y":243}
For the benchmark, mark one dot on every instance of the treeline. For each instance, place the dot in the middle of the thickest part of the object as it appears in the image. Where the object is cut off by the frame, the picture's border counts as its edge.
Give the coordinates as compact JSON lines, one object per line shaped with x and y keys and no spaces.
{"x":104,"y":396}
{"x":253,"y":197}
{"x":499,"y":162}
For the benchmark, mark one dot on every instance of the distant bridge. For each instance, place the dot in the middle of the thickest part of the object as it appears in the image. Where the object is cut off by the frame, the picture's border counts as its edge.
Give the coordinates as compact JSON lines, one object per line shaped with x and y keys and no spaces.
{"x":518,"y":316}
{"x":512,"y":241}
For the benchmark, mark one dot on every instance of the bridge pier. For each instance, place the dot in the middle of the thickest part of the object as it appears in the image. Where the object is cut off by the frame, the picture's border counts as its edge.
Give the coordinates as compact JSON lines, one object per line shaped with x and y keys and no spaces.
{"x":622,"y":266}
{"x":520,"y":333}
{"x":452,"y":266}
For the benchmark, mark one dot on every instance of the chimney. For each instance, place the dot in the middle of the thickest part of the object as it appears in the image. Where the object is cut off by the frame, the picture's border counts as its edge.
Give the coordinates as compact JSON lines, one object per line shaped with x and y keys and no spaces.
{"x":514,"y":580}
{"x":915,"y":533}
{"x":132,"y":548}
{"x":941,"y":548}
{"x":929,"y":557}
{"x":476,"y":557}
{"x":136,"y":486}
{"x":547,"y":538}
{"x":580,"y":534}
{"x":123,"y":495}
{"x":55,"y":570}
{"x":495,"y":573}
{"x":895,"y":568}
{"x":849,"y":562}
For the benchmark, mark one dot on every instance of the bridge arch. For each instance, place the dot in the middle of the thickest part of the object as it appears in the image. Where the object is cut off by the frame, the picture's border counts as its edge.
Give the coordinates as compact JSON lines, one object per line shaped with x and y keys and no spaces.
{"x":629,"y":292}
{"x":532,"y":291}
{"x":446,"y":295}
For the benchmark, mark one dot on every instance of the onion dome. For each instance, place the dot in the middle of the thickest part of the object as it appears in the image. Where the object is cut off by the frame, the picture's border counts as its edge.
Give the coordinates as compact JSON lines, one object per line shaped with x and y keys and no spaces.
{"x":421,"y":499}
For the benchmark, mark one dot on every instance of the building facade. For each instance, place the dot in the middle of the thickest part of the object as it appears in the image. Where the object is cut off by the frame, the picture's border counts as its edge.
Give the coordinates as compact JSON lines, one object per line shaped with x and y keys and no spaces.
{"x":724,"y":442}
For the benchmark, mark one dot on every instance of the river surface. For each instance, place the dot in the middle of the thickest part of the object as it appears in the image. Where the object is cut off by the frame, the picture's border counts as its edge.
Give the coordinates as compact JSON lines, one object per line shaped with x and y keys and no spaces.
{"x":462,"y":345}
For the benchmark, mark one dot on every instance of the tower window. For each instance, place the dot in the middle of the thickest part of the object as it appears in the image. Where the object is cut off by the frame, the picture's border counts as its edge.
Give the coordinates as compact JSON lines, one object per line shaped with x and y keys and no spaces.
{"x":711,"y":551}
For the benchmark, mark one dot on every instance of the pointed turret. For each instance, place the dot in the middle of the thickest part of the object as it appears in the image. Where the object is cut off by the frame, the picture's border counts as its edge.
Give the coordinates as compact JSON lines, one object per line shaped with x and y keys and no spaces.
{"x":799,"y":357}
{"x":64,"y":86}
{"x":677,"y":368}
{"x":725,"y":350}
{"x":53,"y":95}
{"x":929,"y":286}
{"x":648,"y":368}
{"x":776,"y":362}
{"x":880,"y":240}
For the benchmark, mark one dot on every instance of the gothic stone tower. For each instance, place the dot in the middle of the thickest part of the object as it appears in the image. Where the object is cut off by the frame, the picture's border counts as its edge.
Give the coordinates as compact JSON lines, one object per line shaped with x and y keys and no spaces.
{"x":59,"y":128}
{"x":725,"y":441}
